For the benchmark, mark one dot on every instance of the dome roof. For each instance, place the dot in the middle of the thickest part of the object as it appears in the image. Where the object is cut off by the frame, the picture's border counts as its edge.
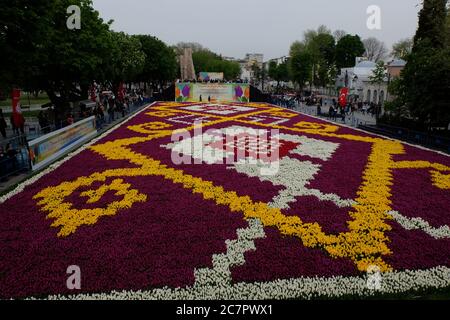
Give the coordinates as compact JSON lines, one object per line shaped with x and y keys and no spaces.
{"x":366,"y":64}
{"x":397,"y":63}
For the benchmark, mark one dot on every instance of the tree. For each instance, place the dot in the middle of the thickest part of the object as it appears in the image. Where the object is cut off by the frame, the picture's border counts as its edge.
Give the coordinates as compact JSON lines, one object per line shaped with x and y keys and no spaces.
{"x":39,"y":52}
{"x":278,"y":72}
{"x":160,"y":63}
{"x":425,"y":81}
{"x":323,"y":51}
{"x":259,"y":74}
{"x":375,"y":50}
{"x":207,"y":61}
{"x":448,"y":26}
{"x":321,"y":47}
{"x":402,"y":48}
{"x":347,"y":49}
{"x":339,"y":34}
{"x":71,"y":59}
{"x":296,"y":46}
{"x":180,"y":46}
{"x":378,"y":78}
{"x":432,"y":19}
{"x":300,"y":68}
{"x":128,"y":59}
{"x":310,"y":35}
{"x":24,"y":29}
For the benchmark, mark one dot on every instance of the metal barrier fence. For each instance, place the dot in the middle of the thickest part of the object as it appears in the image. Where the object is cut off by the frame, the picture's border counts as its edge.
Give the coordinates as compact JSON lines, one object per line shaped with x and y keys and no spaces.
{"x":14,"y":151}
{"x":14,"y":156}
{"x":416,"y":137}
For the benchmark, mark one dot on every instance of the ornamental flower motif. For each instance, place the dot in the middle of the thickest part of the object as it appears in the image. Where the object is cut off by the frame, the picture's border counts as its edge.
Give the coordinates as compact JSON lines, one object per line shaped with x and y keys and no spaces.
{"x":186,"y":90}
{"x":343,"y":202}
{"x":239,"y":91}
{"x":68,"y":218}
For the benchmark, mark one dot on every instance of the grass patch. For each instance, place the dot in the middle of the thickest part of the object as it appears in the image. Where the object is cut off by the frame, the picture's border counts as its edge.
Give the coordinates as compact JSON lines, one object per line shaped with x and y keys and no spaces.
{"x":41,"y":99}
{"x":26,"y":114}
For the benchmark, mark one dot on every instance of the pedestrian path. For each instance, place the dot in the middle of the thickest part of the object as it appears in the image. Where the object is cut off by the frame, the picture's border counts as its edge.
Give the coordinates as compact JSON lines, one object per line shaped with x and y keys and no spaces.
{"x":12,"y":181}
{"x":354,"y":119}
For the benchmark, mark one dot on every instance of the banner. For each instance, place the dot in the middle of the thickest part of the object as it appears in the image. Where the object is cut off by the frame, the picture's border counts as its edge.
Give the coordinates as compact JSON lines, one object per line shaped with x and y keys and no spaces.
{"x":343,"y":97}
{"x":208,"y":76}
{"x":212,"y":92}
{"x":47,"y":148}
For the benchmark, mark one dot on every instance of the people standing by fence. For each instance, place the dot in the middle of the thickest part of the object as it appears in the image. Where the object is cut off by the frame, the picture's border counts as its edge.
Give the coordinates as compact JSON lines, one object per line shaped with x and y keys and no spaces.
{"x":3,"y":124}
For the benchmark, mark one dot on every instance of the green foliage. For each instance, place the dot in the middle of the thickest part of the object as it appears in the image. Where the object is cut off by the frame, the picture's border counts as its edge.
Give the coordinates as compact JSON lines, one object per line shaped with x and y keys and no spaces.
{"x":39,"y":52}
{"x":347,"y":49}
{"x":379,"y":74}
{"x":207,"y":61}
{"x":425,"y":83}
{"x":160,"y":60}
{"x":402,"y":49}
{"x":128,"y":59}
{"x":432,"y":19}
{"x":300,"y":66}
{"x":319,"y":51}
{"x":323,"y":50}
{"x":25,"y":27}
{"x":279,"y":72}
{"x":71,"y":59}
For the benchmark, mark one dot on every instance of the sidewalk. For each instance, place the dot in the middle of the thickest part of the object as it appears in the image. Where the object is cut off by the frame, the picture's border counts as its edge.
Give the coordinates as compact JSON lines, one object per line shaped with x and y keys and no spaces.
{"x":12,"y":181}
{"x":355,"y":119}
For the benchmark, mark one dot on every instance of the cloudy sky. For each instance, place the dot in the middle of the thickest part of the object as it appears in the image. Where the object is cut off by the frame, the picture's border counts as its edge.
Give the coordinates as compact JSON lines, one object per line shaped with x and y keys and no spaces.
{"x":236,"y":27}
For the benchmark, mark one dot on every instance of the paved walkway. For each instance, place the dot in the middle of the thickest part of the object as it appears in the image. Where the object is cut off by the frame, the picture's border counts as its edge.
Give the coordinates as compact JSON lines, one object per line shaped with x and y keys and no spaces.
{"x":355,"y":119}
{"x":16,"y":179}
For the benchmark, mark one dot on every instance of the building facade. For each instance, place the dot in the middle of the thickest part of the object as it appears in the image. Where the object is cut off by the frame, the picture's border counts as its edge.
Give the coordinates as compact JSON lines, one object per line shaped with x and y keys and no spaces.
{"x":361,"y":88}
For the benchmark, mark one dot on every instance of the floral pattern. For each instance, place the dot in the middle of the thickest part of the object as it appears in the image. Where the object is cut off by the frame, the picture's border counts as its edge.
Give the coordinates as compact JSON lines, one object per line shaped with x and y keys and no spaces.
{"x":143,"y":227}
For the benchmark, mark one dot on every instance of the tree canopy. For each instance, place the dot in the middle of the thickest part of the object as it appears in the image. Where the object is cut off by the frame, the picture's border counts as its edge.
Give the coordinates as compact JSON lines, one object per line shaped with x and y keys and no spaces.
{"x":39,"y":51}
{"x":425,"y":83}
{"x":375,"y":50}
{"x":402,"y":48}
{"x":207,"y":61}
{"x":347,"y":49}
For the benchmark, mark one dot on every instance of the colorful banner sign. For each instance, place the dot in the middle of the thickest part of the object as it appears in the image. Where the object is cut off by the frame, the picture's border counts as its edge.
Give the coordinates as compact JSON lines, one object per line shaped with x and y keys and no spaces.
{"x":47,"y":148}
{"x":208,"y":76}
{"x":212,"y":92}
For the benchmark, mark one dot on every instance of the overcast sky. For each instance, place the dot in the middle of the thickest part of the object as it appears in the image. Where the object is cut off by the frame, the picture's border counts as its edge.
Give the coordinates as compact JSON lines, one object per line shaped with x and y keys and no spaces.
{"x":236,"y":27}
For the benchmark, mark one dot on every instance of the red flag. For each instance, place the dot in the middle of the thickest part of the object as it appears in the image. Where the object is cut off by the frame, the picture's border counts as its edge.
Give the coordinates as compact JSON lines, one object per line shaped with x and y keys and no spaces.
{"x":17,"y":111}
{"x":343,"y":97}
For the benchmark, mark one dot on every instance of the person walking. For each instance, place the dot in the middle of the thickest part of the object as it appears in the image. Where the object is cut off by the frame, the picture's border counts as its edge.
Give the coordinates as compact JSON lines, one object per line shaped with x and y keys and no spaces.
{"x":3,"y":124}
{"x":111,"y":109}
{"x":69,"y":119}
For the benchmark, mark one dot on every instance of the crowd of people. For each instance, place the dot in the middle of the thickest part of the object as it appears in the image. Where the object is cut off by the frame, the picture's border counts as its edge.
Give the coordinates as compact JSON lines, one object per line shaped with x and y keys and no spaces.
{"x":10,"y":160}
{"x":17,"y":123}
{"x":336,"y":111}
{"x":326,"y":106}
{"x":107,"y":108}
